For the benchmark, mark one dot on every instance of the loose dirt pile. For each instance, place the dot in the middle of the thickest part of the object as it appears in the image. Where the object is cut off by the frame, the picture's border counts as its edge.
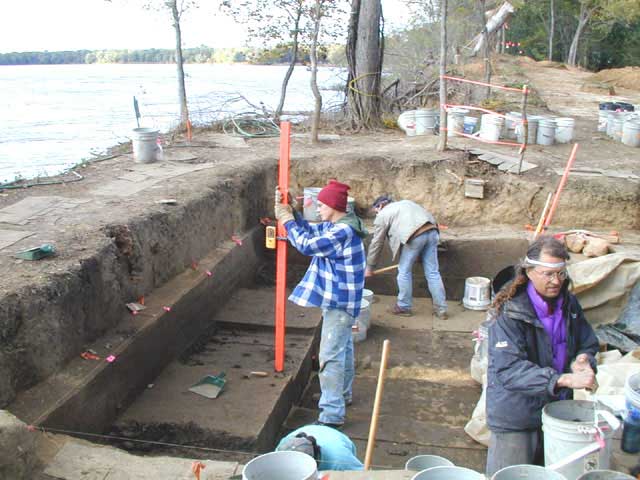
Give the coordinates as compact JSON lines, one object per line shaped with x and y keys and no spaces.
{"x":628,"y":77}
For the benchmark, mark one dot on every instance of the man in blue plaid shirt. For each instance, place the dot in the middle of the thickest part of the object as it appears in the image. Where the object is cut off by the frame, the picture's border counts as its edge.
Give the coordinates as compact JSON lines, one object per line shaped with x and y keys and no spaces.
{"x":333,"y":282}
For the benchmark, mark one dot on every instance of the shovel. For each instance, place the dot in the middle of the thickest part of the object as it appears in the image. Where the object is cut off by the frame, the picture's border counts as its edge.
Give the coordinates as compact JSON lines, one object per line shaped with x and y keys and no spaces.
{"x":209,"y":386}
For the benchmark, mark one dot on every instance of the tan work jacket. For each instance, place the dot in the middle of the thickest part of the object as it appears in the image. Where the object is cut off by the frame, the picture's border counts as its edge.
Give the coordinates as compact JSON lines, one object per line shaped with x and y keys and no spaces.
{"x":399,"y":221}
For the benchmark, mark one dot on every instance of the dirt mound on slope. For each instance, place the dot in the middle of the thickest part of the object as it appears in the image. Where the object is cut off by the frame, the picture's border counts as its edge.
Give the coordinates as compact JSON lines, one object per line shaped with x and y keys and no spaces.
{"x":628,"y":77}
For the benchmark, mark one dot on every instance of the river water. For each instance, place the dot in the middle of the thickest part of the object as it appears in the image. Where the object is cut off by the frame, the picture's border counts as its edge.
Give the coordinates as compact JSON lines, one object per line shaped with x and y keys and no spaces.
{"x":53,"y":117}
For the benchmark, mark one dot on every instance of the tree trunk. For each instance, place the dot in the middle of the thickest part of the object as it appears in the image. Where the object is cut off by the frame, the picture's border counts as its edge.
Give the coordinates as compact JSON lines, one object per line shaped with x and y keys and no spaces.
{"x":442,"y":142}
{"x":364,"y":55}
{"x":585,"y":14}
{"x":292,"y":64}
{"x":315,"y":121}
{"x":182,"y":91}
{"x":552,"y":28}
{"x":486,"y":47}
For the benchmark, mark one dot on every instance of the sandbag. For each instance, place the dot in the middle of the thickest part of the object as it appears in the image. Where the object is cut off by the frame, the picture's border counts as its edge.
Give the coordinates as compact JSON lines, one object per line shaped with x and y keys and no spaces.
{"x":595,"y":247}
{"x":575,"y":242}
{"x":477,"y":427}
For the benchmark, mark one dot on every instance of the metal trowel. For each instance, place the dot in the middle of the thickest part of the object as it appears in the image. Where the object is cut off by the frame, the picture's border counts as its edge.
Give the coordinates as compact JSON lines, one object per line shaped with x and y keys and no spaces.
{"x":209,"y":386}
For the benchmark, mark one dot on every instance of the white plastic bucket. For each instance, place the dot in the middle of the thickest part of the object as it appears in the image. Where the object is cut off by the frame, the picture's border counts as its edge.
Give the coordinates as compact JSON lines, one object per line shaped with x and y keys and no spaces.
{"x":532,"y":132}
{"x":365,"y":314}
{"x":477,"y":293}
{"x":455,"y":121}
{"x":470,"y":124}
{"x":603,"y":115}
{"x":631,"y":133}
{"x":526,"y":472}
{"x":367,"y":295}
{"x":615,"y":132}
{"x":611,"y":124}
{"x":605,"y":475}
{"x":511,"y":123}
{"x":145,"y":145}
{"x":546,"y":131}
{"x":448,"y":473}
{"x":310,"y":204}
{"x":284,"y":465}
{"x":490,"y":127}
{"x":564,"y":130}
{"x":358,"y":332}
{"x":425,"y":121}
{"x":407,"y":122}
{"x":568,"y":426}
{"x":422,"y":462}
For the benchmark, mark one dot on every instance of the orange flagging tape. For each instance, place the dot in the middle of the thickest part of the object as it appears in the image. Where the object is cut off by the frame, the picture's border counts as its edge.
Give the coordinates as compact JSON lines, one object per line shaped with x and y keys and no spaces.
{"x":196,"y":467}
{"x":480,"y":109}
{"x":475,"y":82}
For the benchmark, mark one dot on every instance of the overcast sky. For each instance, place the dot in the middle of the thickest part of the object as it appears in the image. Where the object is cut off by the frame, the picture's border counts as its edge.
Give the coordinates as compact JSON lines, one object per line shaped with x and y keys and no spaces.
{"x":37,"y":25}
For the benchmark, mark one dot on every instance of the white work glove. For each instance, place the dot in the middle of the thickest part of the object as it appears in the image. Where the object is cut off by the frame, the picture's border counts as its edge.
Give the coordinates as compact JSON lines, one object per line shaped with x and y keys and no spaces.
{"x":283,"y":213}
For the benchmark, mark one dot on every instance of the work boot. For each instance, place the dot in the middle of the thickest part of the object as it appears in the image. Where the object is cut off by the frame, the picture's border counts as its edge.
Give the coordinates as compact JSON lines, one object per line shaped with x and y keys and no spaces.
{"x":401,"y":312}
{"x":441,"y":314}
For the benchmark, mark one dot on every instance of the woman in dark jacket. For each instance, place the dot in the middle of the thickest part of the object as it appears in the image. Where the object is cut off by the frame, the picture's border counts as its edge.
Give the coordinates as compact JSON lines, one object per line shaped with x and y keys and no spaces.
{"x":540,"y":348}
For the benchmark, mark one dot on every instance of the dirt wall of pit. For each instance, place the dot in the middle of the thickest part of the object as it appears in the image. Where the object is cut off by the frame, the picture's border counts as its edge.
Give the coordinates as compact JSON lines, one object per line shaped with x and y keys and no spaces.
{"x":437,"y":182}
{"x":42,"y":328}
{"x":44,"y":325}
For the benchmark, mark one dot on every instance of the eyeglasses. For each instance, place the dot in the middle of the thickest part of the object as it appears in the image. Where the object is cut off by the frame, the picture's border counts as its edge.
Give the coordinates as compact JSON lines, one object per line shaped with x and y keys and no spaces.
{"x":548,"y":275}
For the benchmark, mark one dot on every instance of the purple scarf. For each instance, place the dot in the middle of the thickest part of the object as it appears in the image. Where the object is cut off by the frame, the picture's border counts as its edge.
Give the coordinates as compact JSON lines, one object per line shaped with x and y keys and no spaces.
{"x":553,"y":324}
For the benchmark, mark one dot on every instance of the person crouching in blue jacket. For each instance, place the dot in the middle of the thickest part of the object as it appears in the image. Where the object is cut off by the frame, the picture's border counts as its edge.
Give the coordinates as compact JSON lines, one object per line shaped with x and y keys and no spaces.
{"x":334,"y":282}
{"x":331,"y":449}
{"x":540,"y":349}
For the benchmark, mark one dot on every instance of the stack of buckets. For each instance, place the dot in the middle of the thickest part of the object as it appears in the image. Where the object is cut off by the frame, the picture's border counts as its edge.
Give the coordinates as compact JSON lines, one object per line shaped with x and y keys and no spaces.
{"x":620,"y":122}
{"x":541,"y":130}
{"x":418,"y":122}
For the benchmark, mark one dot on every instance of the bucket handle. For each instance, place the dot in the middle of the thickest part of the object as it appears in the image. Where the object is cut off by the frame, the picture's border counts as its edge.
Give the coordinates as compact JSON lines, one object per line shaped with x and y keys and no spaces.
{"x":577,"y":455}
{"x":610,"y":418}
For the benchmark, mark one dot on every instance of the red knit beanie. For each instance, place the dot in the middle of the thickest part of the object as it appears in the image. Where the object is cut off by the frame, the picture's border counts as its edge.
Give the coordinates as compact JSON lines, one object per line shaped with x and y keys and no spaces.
{"x":334,"y":195}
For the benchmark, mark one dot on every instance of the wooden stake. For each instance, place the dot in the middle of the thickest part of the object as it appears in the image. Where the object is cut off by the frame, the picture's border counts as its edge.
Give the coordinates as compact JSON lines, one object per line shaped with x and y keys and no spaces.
{"x":525,"y":127}
{"x":373,"y":429}
{"x":563,"y":181}
{"x":385,"y":269}
{"x":542,"y":216}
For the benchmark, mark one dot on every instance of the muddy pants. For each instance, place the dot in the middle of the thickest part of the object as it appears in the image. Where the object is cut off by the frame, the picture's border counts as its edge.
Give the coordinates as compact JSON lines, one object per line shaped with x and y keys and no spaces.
{"x":336,"y":365}
{"x":514,"y":448}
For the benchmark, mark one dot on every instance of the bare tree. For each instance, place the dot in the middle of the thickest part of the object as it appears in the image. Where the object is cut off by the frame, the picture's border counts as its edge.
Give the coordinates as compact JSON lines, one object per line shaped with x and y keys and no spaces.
{"x":315,"y":121}
{"x":442,"y":142}
{"x":273,"y":20}
{"x":365,"y":47}
{"x":176,"y":14}
{"x":485,"y":46}
{"x":552,"y":28}
{"x":176,"y":8}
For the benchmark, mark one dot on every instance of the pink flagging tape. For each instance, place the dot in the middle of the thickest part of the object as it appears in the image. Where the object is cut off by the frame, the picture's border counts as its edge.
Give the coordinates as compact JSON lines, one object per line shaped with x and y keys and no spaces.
{"x":236,"y":239}
{"x":490,"y":112}
{"x":208,"y":273}
{"x":111,"y":358}
{"x":475,"y":82}
{"x":166,"y":309}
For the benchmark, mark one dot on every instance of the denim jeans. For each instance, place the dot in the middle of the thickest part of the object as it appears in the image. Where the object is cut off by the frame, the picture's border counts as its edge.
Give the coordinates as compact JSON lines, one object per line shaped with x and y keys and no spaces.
{"x":424,"y":246}
{"x":336,"y":365}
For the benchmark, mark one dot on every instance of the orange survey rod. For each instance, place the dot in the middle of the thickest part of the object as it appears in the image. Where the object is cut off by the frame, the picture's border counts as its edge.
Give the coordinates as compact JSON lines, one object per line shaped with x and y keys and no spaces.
{"x":563,"y":181}
{"x":281,"y":246}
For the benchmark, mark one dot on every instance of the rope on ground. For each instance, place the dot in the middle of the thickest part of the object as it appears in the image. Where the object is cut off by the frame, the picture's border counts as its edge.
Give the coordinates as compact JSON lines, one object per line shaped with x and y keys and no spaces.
{"x":17,"y":186}
{"x":155,"y":442}
{"x":250,"y":125}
